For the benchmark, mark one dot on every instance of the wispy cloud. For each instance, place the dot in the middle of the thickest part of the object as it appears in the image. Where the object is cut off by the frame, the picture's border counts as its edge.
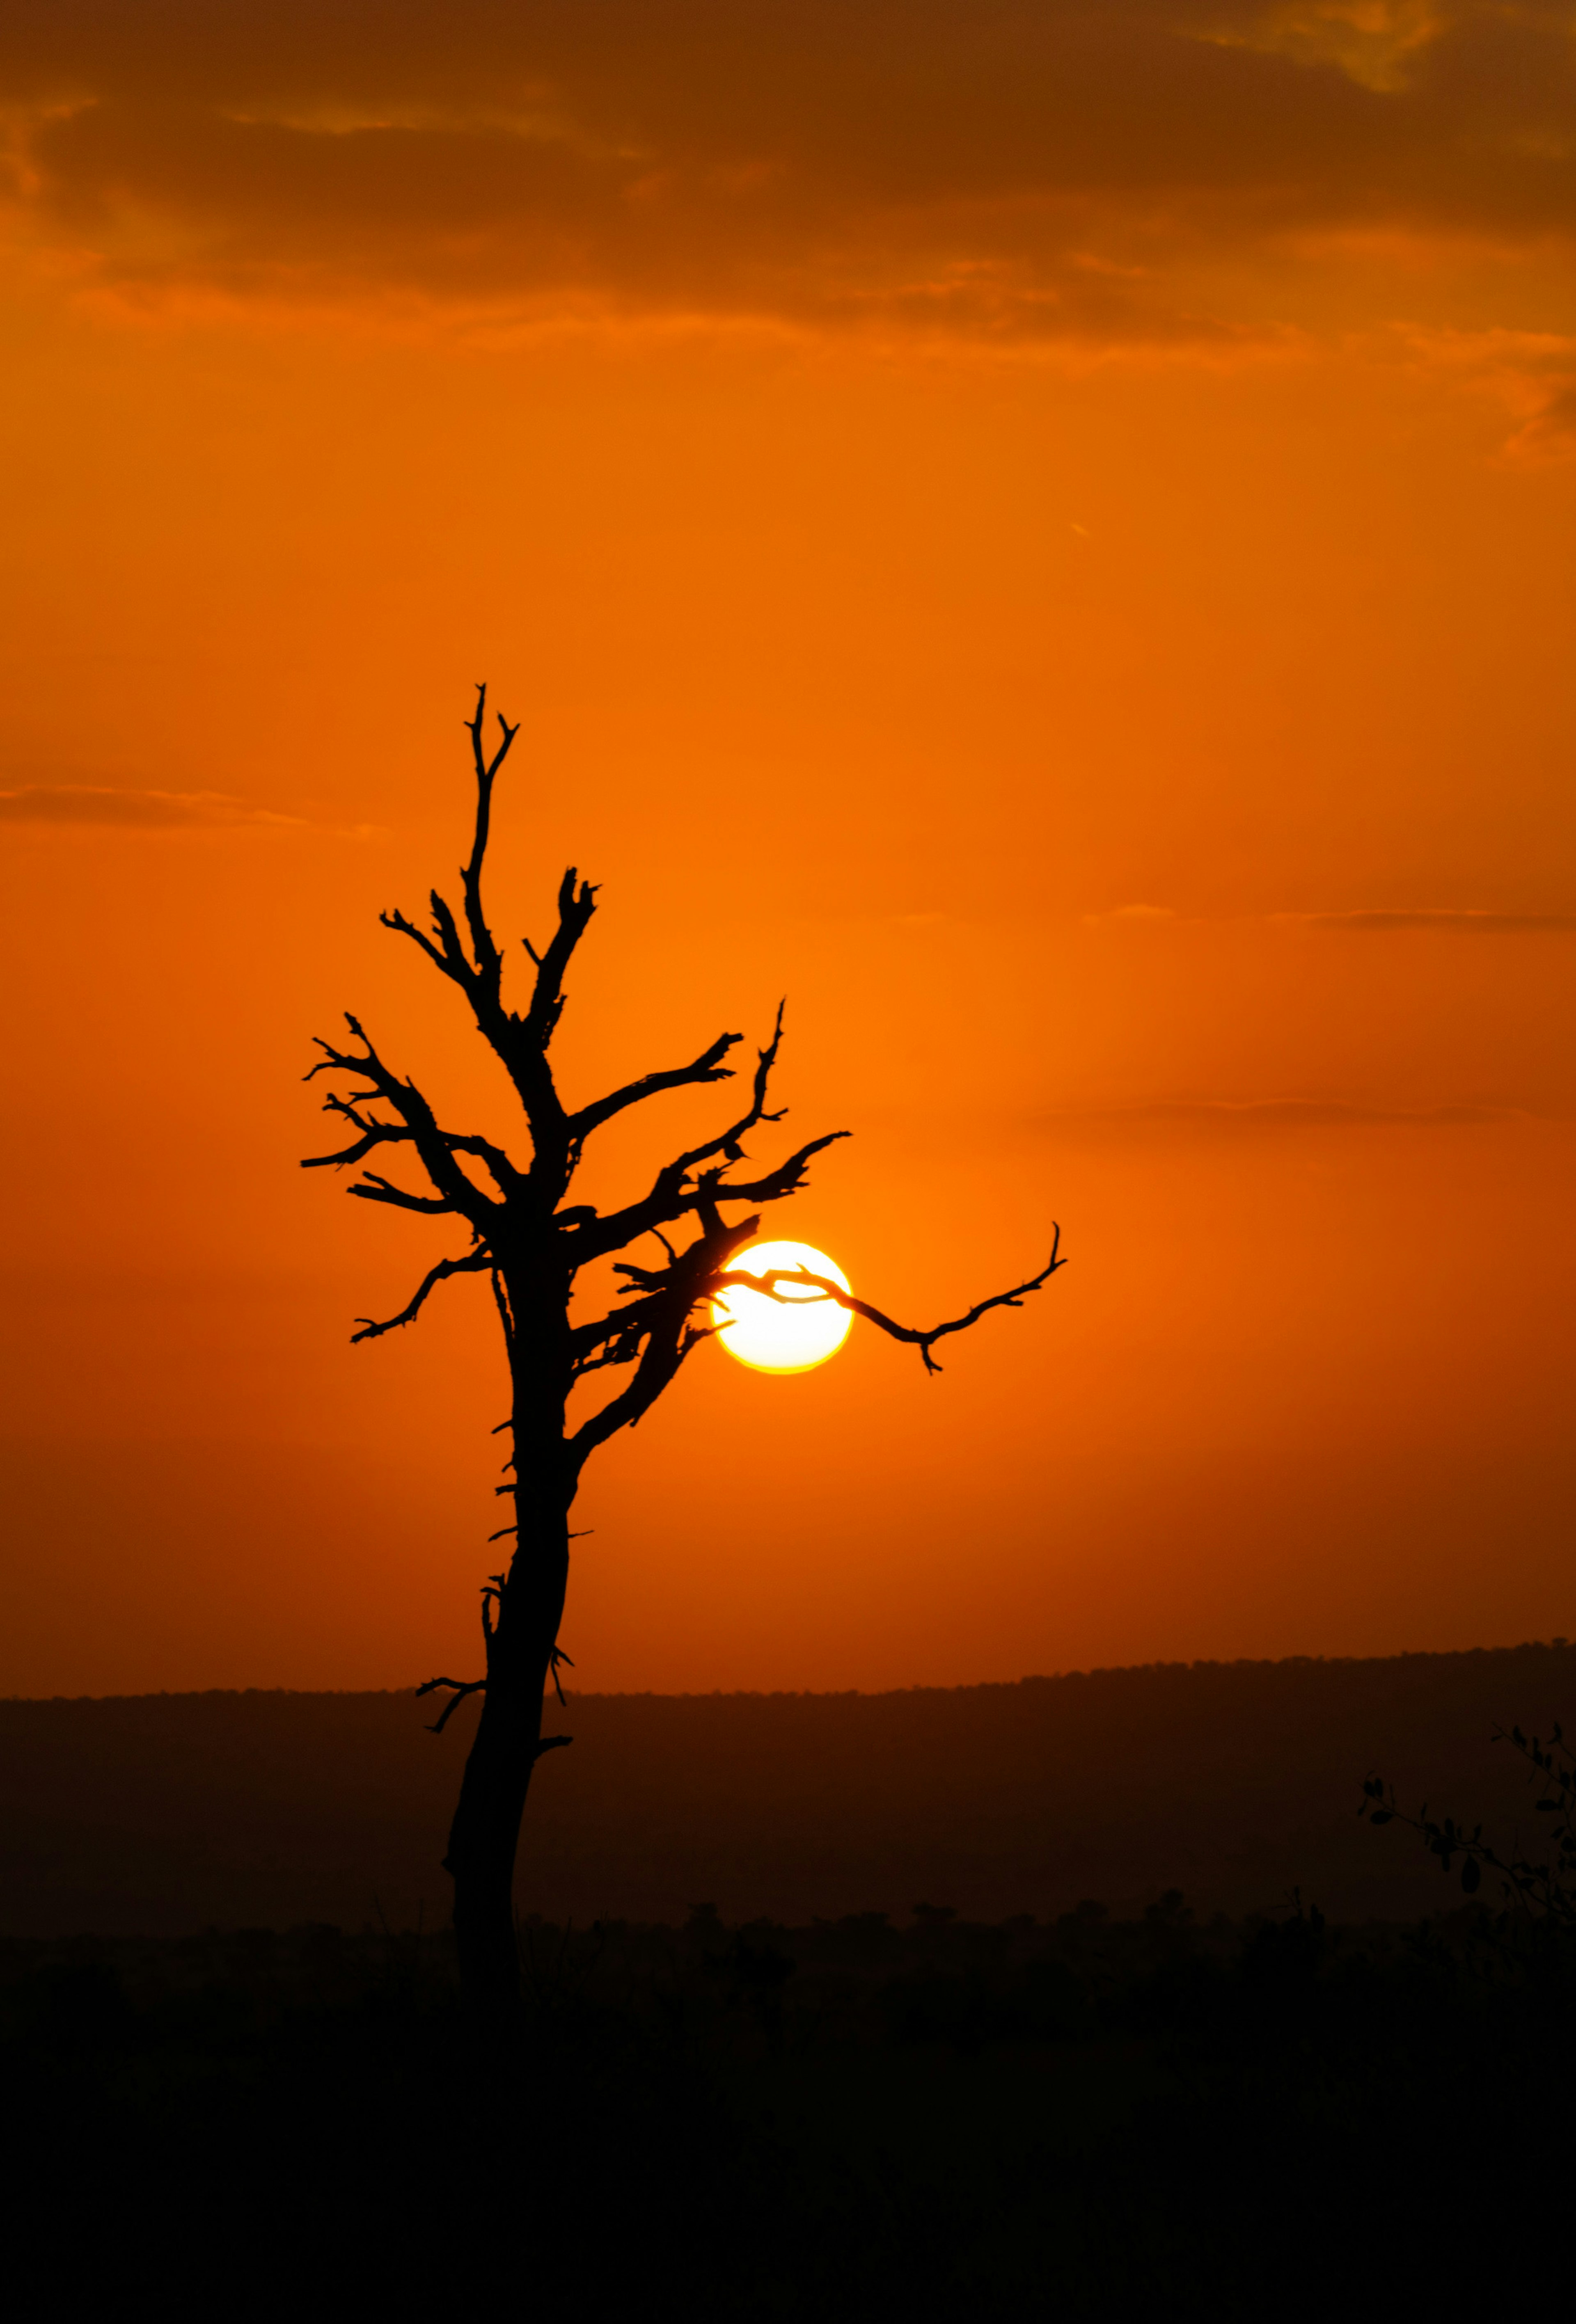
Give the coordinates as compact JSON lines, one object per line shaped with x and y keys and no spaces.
{"x":1420,"y":919}
{"x":1532,"y":374}
{"x":1254,"y":1115}
{"x":1443,"y":922}
{"x":111,"y":808}
{"x":1375,"y":42}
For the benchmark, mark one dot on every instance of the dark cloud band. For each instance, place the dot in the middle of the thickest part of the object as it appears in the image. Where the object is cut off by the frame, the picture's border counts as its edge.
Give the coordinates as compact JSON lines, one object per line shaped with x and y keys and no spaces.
{"x":998,"y":169}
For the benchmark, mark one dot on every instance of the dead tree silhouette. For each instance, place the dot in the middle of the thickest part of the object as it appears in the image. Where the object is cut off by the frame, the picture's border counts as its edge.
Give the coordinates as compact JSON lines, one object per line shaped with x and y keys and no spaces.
{"x":531,"y":1245}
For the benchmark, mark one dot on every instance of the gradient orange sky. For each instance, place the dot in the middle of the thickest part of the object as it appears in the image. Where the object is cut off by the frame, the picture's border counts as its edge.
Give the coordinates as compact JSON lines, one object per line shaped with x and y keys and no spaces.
{"x":1046,"y":534}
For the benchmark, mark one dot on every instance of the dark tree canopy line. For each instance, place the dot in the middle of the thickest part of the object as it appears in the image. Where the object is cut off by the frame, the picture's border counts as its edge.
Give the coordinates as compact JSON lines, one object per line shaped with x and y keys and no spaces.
{"x":532,"y":1243}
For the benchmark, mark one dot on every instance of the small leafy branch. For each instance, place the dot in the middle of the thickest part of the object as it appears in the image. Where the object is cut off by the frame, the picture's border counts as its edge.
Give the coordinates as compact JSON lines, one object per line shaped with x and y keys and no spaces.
{"x":1543,"y":1887}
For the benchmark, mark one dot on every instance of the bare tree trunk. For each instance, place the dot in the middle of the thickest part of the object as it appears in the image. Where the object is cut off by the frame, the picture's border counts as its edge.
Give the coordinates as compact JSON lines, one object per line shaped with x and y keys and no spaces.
{"x":485,"y":1835}
{"x":482,"y":1842}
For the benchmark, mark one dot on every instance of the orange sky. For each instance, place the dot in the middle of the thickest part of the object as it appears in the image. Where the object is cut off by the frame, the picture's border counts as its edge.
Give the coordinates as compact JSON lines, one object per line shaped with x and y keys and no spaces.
{"x":1043,"y":533}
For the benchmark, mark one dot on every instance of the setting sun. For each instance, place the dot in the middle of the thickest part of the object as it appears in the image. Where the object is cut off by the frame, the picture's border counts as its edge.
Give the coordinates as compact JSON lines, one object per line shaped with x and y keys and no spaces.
{"x":790,"y":1333}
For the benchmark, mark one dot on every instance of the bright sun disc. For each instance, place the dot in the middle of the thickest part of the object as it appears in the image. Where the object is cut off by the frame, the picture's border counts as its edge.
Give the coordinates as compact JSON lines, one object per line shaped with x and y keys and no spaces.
{"x":792,"y":1332}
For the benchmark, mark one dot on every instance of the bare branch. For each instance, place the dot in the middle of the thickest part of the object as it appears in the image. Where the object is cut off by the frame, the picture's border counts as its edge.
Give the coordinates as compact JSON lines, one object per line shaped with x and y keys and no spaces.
{"x":638,"y":1331}
{"x":777,"y":1185}
{"x":662,"y":1321}
{"x":488,"y":962}
{"x":622,"y":1350}
{"x":615,"y":1338}
{"x":706,"y":1067}
{"x":673,"y":1197}
{"x":449,"y":938}
{"x":462,"y":1687}
{"x":506,"y":1176}
{"x":481,"y":976}
{"x":442,"y":960}
{"x":770,"y":1283}
{"x":374,"y":1132}
{"x":475,"y":1262}
{"x":435,"y":1148}
{"x":374,"y":1189}
{"x":558,"y":1656}
{"x":575,"y":905}
{"x":727,"y":1143}
{"x":520,"y":1043}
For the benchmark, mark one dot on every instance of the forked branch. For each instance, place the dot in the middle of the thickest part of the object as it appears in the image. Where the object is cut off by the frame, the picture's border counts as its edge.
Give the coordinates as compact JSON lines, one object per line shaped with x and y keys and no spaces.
{"x":462,"y":1686}
{"x":374,"y":1189}
{"x":684,"y":1186}
{"x":520,"y":1042}
{"x":728,"y":1142}
{"x":481,"y":975}
{"x":490,"y":965}
{"x":708,"y":1067}
{"x":418,"y":1127}
{"x":772,"y":1282}
{"x":658,"y":1327}
{"x":577,"y":901}
{"x":475,"y":1262}
{"x":375,"y":1133}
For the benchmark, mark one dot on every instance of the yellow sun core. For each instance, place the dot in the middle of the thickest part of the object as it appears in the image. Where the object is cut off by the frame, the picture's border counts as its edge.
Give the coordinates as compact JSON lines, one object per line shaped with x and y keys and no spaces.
{"x":792,"y":1331}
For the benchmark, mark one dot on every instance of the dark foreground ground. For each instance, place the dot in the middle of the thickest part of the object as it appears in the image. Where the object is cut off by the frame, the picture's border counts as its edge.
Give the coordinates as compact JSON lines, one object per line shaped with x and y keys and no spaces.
{"x":1088,"y":2117}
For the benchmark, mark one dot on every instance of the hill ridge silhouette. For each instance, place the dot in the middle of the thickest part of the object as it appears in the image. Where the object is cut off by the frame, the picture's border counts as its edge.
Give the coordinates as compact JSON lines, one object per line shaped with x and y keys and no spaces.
{"x":167,"y":1814}
{"x":859,"y":1693}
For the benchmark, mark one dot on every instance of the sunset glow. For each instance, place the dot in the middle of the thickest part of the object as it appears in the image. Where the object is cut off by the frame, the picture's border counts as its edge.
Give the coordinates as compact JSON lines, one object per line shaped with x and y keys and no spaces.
{"x":1041,"y":534}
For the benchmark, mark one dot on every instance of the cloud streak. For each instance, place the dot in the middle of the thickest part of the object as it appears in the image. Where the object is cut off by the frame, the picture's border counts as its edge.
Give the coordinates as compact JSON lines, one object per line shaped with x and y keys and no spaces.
{"x":1253,"y":1116}
{"x":1422,"y":920}
{"x":102,"y":807}
{"x":1442,"y":923}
